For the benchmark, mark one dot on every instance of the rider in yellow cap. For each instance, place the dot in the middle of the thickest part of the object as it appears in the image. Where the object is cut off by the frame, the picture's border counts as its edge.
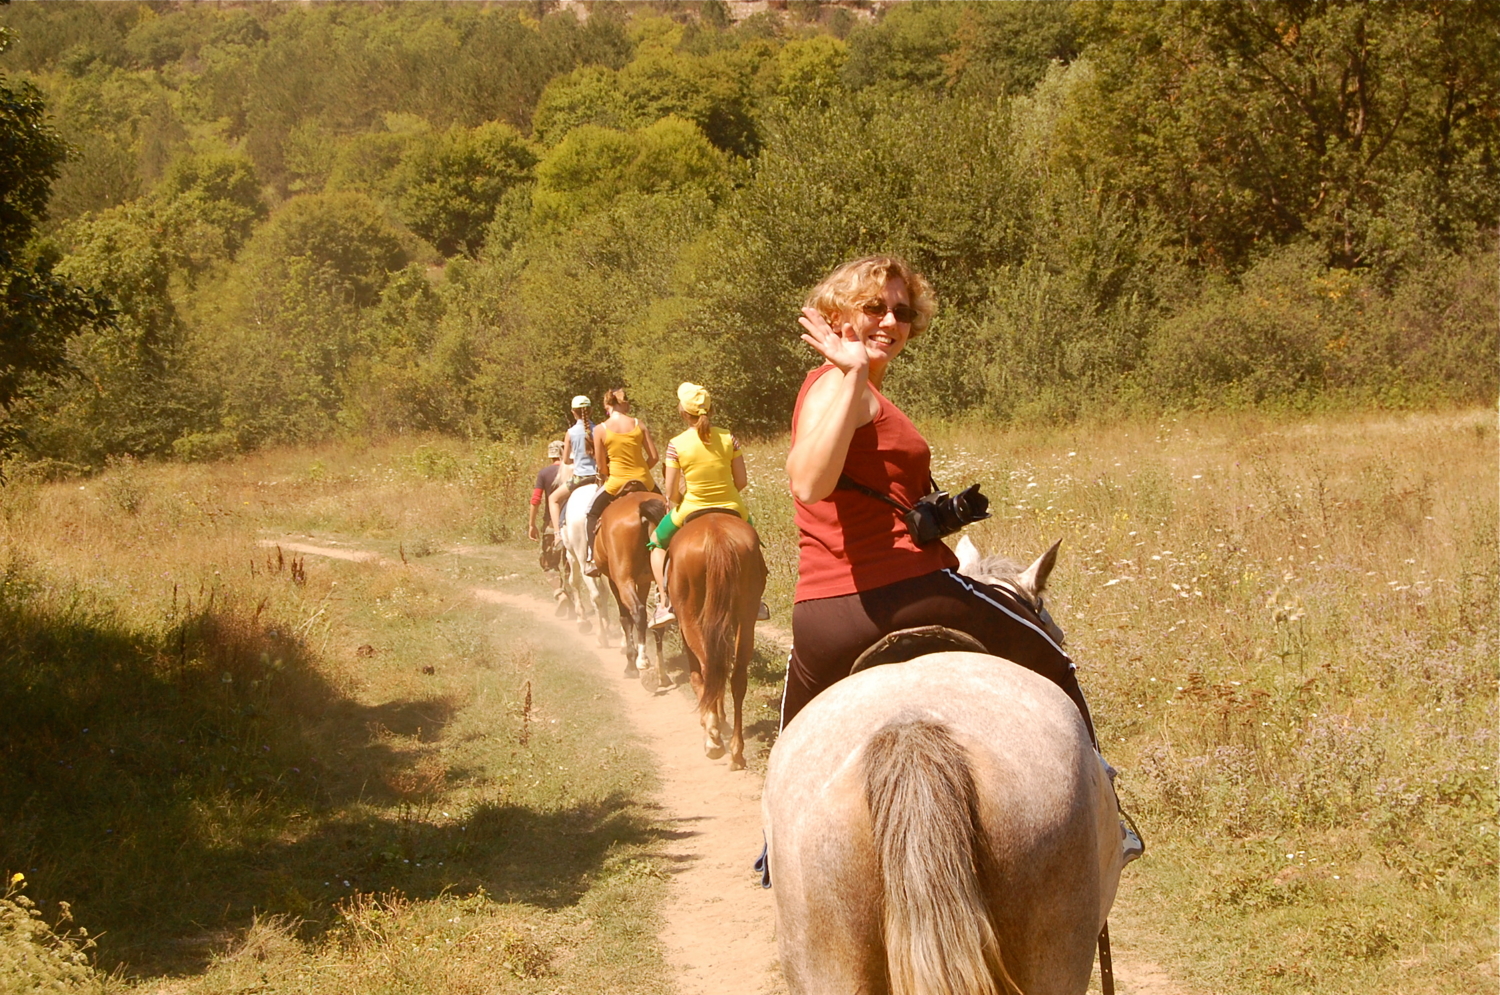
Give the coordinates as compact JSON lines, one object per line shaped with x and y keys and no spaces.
{"x":704,"y":466}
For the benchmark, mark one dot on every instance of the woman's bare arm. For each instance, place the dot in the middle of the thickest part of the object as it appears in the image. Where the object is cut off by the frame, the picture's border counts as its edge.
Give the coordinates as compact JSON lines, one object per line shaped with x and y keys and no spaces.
{"x":737,"y":468}
{"x":651,"y":455}
{"x":601,"y":451}
{"x":837,"y":404}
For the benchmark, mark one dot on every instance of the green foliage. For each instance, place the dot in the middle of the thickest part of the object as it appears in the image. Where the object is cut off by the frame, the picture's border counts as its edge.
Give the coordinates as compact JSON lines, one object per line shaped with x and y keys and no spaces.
{"x":1294,"y":329}
{"x":127,"y":127}
{"x":1256,"y":123}
{"x":449,"y":186}
{"x":345,"y":234}
{"x":1101,"y":194}
{"x":36,"y":955}
{"x":562,"y":314}
{"x":809,"y":70}
{"x":594,"y":167}
{"x":38,"y":308}
{"x":287,"y":326}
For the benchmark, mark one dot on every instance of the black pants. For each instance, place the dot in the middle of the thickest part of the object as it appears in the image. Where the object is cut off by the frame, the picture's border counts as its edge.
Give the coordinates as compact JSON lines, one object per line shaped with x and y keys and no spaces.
{"x":602,"y":500}
{"x":829,"y":633}
{"x":596,"y":511}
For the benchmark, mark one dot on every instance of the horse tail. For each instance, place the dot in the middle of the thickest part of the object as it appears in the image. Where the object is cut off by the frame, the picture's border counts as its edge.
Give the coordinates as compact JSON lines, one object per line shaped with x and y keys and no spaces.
{"x":653,"y":510}
{"x":938,"y":934}
{"x":721,"y":582}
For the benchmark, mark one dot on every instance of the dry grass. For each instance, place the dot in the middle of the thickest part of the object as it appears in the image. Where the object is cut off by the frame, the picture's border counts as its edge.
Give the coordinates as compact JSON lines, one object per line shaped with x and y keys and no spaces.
{"x":1287,"y":631}
{"x":233,"y":761}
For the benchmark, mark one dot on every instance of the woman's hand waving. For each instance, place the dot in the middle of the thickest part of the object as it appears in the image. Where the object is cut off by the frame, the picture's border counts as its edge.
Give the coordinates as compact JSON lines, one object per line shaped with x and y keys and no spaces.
{"x":844,"y":347}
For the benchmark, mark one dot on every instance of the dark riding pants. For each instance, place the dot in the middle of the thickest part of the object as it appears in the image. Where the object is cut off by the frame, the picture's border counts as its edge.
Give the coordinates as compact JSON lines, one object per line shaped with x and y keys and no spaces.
{"x":829,"y":633}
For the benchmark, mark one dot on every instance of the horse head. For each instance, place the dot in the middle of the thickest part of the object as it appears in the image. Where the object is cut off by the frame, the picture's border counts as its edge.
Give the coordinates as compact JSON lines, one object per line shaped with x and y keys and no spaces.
{"x":1027,"y":584}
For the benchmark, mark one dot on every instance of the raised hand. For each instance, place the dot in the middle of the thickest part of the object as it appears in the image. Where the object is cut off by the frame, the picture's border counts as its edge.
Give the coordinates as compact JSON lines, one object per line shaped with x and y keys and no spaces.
{"x":844,"y":347}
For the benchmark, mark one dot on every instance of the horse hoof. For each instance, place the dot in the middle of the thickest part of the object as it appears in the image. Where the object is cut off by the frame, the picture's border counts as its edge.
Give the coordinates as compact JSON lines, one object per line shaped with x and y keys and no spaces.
{"x":713,"y":750}
{"x":630,"y":670}
{"x":738,"y":764}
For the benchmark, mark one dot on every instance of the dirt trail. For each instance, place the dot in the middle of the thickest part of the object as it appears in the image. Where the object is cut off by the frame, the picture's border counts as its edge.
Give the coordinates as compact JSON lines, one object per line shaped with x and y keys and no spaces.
{"x":719,"y":923}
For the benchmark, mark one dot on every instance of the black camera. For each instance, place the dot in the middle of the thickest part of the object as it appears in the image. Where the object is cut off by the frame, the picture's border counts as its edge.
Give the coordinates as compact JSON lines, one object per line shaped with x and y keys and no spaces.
{"x":937,"y":514}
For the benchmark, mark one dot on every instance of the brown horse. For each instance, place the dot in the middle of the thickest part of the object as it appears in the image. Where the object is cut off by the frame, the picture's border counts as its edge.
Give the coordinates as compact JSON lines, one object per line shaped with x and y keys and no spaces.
{"x":621,"y":555}
{"x":716,"y":581}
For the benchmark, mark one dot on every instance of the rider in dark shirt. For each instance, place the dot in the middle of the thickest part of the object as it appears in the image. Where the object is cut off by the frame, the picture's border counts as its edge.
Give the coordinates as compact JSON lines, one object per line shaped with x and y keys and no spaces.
{"x":552,"y":561}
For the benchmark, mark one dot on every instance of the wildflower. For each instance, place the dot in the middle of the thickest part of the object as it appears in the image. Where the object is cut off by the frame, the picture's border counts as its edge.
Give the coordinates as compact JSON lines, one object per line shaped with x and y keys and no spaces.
{"x":17,"y":879}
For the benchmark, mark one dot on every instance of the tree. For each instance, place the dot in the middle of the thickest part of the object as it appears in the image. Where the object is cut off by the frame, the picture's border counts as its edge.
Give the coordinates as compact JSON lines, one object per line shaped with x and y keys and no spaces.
{"x":593,"y":167}
{"x":38,"y":309}
{"x":448,"y":186}
{"x":1250,"y":125}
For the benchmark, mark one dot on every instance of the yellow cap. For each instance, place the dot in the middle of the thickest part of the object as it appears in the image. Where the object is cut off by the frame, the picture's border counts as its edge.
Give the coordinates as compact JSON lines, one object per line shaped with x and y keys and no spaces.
{"x":694,"y":399}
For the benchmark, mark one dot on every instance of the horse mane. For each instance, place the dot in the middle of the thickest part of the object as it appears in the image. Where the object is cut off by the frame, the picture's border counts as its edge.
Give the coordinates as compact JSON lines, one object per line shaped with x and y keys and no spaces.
{"x":998,"y":570}
{"x":995,"y":567}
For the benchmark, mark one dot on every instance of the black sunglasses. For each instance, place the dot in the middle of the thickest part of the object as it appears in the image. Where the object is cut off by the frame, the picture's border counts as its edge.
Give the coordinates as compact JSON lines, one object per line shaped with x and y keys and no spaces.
{"x":905,"y":313}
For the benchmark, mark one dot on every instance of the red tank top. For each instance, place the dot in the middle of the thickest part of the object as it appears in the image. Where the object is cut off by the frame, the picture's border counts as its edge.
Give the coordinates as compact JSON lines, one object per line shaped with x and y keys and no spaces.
{"x":850,"y":541}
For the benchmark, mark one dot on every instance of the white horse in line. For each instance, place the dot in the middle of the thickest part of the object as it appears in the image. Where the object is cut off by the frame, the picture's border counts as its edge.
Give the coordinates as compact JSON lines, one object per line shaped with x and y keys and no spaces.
{"x":941,"y":825}
{"x":582,"y":589}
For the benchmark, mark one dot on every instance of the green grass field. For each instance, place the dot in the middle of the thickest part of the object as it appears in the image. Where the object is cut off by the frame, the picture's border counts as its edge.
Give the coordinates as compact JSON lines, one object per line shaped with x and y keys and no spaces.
{"x":1287,"y":631}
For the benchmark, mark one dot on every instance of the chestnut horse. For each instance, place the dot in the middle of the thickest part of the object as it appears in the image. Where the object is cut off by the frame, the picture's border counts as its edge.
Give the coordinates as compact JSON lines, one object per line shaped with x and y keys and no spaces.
{"x":621,"y":555}
{"x":716,"y":578}
{"x":942,"y":825}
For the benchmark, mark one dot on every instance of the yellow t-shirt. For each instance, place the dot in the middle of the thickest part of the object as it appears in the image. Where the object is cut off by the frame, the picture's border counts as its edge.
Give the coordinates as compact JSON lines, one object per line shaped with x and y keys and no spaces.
{"x":627,"y":458}
{"x":707,"y":472}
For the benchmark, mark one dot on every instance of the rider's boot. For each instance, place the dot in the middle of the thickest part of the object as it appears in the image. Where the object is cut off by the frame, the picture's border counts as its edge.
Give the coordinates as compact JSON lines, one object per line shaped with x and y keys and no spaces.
{"x":591,"y":529}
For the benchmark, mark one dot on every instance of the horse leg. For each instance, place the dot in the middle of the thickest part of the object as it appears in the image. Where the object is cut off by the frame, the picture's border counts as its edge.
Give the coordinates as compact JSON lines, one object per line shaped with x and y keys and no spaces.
{"x":639,"y":620}
{"x":594,"y":592}
{"x":708,"y":713}
{"x":626,"y":626}
{"x":826,"y":889}
{"x":739,"y":680}
{"x":663,"y":682}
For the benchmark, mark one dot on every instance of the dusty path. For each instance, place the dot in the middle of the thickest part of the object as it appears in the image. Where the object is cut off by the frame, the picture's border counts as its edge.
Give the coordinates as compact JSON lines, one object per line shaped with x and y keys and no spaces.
{"x":719,"y":923}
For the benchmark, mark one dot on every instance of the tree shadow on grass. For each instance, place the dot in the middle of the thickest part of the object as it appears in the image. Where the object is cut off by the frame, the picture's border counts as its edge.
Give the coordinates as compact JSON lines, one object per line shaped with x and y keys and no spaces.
{"x":171,"y":785}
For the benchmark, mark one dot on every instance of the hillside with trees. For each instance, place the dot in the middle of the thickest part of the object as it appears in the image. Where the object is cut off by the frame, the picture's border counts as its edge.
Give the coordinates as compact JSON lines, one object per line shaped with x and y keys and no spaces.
{"x":232,"y":225}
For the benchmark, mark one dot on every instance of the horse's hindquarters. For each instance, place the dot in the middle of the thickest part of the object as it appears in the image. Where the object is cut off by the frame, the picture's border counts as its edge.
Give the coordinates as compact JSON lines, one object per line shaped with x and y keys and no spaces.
{"x":828,"y":929}
{"x":1041,"y":802}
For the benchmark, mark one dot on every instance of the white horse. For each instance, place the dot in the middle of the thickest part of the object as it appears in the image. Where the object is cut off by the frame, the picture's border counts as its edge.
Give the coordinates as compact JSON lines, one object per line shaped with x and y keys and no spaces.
{"x":942,"y":825}
{"x":582,"y":589}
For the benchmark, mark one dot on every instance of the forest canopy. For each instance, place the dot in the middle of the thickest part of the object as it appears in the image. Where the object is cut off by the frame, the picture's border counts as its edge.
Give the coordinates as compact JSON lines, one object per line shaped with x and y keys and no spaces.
{"x":231,"y":225}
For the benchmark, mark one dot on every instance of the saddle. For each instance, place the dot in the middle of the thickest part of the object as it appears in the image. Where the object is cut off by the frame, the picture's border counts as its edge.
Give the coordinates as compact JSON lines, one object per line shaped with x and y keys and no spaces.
{"x":908,"y":644}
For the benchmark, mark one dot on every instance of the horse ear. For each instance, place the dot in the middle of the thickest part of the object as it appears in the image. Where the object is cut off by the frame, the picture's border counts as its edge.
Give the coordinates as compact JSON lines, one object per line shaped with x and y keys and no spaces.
{"x":968,"y":554}
{"x":1034,"y":577}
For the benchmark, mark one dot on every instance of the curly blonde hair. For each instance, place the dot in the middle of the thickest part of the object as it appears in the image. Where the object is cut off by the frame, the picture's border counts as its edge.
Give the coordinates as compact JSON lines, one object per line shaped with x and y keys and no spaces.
{"x":860,"y":280}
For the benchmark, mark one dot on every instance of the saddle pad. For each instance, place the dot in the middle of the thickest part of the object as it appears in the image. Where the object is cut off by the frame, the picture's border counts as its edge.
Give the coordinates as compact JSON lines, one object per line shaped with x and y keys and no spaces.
{"x":908,"y":644}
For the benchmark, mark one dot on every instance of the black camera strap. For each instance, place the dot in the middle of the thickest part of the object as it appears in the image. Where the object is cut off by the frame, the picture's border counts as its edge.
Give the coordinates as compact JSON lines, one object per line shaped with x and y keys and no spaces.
{"x":848,"y":483}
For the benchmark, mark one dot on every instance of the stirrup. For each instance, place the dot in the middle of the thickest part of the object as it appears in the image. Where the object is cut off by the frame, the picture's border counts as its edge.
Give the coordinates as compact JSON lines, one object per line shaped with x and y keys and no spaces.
{"x":763,"y":613}
{"x":663,"y":617}
{"x":1134,"y":847}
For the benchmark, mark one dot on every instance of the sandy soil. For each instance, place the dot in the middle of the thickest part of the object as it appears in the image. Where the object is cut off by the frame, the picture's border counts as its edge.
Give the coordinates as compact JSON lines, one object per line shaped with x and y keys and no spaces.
{"x":719,"y":923}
